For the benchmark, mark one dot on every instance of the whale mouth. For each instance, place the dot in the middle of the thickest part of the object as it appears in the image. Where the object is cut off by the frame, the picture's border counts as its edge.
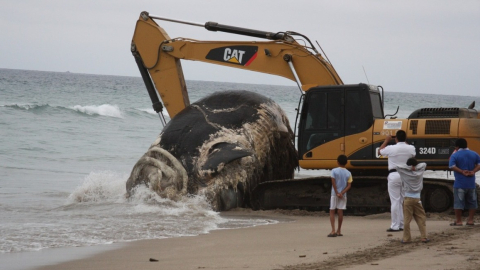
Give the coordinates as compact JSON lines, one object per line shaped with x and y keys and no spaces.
{"x":161,"y":172}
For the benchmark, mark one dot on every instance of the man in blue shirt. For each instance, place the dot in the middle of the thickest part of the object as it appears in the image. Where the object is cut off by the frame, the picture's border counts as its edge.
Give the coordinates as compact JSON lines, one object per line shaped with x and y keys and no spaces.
{"x":464,"y":163}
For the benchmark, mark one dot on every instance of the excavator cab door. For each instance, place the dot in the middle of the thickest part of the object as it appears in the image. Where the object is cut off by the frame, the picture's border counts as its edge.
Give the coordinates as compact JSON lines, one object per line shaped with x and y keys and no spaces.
{"x":362,"y":106}
{"x":322,"y":122}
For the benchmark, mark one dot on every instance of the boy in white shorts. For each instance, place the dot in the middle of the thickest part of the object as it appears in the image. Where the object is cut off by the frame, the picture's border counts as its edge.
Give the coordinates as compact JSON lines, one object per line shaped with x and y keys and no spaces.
{"x":341,"y":183}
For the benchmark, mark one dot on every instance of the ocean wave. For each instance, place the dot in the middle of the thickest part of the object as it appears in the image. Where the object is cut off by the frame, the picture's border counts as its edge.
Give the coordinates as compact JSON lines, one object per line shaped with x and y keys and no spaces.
{"x":104,"y":186}
{"x":103,"y":110}
{"x":27,"y":107}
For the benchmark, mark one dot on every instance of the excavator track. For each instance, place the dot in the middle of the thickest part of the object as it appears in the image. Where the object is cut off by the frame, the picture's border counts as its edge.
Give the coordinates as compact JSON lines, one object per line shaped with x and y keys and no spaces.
{"x":368,"y":195}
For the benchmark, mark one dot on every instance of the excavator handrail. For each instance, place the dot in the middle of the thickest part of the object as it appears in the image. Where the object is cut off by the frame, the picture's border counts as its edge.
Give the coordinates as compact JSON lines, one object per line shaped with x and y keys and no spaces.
{"x":173,"y":20}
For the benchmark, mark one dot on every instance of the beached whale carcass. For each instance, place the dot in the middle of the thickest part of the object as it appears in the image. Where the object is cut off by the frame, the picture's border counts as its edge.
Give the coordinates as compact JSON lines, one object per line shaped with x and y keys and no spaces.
{"x":222,"y":146}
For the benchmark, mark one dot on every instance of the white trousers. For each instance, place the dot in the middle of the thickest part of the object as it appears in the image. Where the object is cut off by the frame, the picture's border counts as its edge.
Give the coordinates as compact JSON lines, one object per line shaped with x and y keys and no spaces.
{"x":396,"y":199}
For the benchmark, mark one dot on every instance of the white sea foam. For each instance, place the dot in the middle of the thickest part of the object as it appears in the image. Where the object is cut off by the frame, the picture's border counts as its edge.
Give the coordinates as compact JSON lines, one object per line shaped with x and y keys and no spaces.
{"x":97,"y":212}
{"x":100,"y":186}
{"x":104,"y":110}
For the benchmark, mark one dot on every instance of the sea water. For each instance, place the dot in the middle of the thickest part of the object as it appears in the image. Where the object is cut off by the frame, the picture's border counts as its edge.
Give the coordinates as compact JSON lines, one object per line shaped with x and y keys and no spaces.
{"x":69,"y":141}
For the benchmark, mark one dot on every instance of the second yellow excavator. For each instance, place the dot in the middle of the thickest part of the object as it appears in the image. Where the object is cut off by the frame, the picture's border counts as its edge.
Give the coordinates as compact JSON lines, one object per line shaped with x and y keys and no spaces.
{"x":333,"y":118}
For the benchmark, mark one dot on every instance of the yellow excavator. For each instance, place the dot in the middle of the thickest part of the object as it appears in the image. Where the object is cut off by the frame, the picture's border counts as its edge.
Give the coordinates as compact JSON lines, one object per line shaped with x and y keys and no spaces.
{"x":333,"y":118}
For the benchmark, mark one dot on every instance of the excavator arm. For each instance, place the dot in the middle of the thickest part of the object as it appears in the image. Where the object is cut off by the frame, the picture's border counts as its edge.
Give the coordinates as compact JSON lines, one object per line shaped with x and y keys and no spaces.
{"x":158,"y":58}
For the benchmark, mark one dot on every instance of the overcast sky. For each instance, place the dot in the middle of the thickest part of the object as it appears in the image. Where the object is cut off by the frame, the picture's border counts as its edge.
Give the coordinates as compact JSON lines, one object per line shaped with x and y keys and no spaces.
{"x":405,"y":46}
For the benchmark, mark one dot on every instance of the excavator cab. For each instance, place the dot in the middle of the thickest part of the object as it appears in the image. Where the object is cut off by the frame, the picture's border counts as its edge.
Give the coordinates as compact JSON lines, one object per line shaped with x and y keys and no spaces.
{"x":333,"y":114}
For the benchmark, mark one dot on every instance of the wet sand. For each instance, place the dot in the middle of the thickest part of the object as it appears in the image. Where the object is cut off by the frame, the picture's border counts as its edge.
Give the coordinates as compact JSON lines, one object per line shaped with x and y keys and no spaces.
{"x":300,"y":241}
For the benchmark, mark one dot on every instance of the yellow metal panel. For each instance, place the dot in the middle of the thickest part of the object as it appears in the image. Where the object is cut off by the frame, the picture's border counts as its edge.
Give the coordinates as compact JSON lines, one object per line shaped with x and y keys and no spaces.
{"x":329,"y":150}
{"x":147,"y":39}
{"x":355,"y":142}
{"x":319,"y":164}
{"x":469,"y":128}
{"x":312,"y":71}
{"x":165,"y":70}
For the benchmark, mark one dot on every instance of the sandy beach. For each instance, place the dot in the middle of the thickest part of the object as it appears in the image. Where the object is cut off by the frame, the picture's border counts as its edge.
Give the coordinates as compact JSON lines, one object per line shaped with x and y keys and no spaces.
{"x":299,"y":241}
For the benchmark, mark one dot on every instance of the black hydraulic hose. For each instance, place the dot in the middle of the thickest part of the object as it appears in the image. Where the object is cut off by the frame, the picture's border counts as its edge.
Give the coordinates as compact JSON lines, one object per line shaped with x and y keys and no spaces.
{"x":156,"y":104}
{"x":299,"y":114}
{"x":299,"y":109}
{"x":305,"y":37}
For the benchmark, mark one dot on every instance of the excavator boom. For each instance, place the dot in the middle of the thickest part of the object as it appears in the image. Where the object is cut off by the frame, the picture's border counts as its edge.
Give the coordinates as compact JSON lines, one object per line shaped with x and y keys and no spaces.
{"x":159,"y":56}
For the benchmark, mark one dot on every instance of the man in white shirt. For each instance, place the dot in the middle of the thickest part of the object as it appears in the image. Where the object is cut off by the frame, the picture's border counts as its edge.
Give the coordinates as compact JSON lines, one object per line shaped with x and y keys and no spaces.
{"x":398,"y":155}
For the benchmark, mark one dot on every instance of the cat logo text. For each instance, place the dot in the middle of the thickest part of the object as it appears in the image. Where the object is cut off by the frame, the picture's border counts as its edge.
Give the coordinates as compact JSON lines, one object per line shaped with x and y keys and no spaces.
{"x":238,"y":55}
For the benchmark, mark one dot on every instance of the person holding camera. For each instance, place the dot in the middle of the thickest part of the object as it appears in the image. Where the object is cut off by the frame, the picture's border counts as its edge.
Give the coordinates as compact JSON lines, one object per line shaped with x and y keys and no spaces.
{"x":397,"y":154}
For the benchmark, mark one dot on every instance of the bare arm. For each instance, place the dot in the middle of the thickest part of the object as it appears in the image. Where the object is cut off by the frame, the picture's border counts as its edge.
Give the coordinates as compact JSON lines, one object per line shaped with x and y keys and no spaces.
{"x":464,"y":172}
{"x":349,"y":185}
{"x":476,"y":169}
{"x":334,"y":186}
{"x":385,"y":143}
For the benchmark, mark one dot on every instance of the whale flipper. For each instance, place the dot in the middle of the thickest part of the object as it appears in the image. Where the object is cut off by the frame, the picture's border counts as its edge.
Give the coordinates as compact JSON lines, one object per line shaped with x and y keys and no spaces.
{"x":221,"y":154}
